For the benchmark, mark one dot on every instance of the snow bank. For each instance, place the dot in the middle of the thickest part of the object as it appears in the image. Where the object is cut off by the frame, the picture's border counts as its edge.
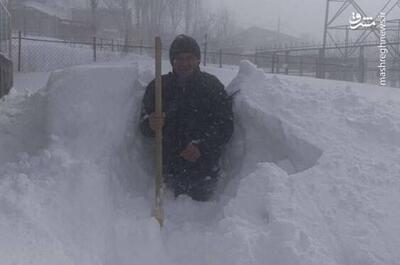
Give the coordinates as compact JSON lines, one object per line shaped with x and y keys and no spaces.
{"x":345,"y":201}
{"x":311,"y":175}
{"x":264,"y":137}
{"x":22,"y":124}
{"x":58,"y":199}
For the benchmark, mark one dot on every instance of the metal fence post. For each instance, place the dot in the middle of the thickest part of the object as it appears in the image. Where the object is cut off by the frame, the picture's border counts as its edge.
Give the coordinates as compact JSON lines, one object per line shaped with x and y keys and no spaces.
{"x":273,"y":62}
{"x":361,"y":65}
{"x":277,"y":63}
{"x":125,"y":48}
{"x":112,"y":45}
{"x":19,"y":50}
{"x":94,"y":49}
{"x":220,"y":58}
{"x":255,"y":57}
{"x":286,"y":62}
{"x":205,"y":50}
{"x":320,"y":73}
{"x":301,"y":66}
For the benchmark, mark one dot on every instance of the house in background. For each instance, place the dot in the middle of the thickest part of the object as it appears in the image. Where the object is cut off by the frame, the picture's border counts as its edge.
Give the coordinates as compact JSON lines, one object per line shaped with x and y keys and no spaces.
{"x":110,"y":22}
{"x":35,"y":18}
{"x":247,"y":40}
{"x":39,"y":18}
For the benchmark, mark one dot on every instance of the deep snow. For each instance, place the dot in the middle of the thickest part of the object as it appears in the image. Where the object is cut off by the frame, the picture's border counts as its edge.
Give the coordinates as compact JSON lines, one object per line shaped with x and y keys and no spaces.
{"x":311,"y":174}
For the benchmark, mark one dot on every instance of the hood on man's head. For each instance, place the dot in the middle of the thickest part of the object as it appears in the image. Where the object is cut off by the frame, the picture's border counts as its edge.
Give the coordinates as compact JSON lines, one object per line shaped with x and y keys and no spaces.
{"x":182,"y":44}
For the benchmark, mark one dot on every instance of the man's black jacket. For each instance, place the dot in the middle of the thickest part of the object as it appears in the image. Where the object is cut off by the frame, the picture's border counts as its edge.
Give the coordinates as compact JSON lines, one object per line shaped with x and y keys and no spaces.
{"x":199,"y":112}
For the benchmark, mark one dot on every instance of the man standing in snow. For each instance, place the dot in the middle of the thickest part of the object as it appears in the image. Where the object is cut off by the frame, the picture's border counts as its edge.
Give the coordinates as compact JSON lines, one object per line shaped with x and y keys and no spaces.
{"x":197,"y":121}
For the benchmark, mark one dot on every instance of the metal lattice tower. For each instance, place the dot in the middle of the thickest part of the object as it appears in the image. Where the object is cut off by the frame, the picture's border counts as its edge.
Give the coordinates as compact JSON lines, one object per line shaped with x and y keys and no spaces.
{"x":335,"y":14}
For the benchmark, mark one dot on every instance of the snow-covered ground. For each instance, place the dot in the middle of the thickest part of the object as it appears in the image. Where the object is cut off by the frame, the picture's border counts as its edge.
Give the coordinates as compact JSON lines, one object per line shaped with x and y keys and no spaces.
{"x":311,"y":175}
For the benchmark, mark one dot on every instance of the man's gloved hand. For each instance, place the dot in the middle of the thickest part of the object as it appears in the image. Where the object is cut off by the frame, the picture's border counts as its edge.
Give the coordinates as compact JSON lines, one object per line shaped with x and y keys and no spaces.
{"x":191,"y":153}
{"x":156,"y":121}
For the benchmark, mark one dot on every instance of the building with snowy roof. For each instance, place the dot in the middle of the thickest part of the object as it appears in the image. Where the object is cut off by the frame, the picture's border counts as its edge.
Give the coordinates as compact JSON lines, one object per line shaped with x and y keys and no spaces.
{"x":37,"y":18}
{"x":41,"y":19}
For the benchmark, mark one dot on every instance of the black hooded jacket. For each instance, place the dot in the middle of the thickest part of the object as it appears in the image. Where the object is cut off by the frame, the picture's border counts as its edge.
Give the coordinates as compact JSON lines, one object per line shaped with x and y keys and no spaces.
{"x":199,"y":113}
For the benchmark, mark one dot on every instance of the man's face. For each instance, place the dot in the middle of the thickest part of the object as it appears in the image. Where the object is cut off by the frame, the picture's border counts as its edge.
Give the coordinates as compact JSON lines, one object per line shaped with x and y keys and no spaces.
{"x":184,"y":64}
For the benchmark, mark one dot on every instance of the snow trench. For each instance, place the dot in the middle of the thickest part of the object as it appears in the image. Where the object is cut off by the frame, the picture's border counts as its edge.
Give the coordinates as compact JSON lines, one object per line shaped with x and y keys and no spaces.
{"x":84,"y":192}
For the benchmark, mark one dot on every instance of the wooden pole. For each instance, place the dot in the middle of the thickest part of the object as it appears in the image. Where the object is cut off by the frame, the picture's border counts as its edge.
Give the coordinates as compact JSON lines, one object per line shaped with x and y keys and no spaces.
{"x":158,"y":211}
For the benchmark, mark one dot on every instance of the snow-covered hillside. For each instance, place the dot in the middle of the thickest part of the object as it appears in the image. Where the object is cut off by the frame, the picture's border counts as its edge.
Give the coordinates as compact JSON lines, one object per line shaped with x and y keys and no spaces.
{"x":310,"y":177}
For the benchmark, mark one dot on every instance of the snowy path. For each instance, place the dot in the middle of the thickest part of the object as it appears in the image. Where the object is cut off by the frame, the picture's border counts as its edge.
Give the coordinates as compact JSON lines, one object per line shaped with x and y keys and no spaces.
{"x":312,"y":169}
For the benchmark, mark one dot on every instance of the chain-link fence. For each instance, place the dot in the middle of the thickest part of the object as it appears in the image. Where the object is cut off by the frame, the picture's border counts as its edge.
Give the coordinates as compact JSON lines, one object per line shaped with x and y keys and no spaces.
{"x":33,"y":54}
{"x":356,"y":63}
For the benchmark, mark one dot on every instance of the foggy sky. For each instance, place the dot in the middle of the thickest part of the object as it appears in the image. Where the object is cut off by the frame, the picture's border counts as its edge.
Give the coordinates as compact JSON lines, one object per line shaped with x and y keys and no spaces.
{"x":296,"y":16}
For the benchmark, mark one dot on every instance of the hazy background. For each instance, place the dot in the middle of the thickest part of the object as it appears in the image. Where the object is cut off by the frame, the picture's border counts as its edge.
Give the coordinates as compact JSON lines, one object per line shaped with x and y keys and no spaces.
{"x":223,"y":21}
{"x":297,"y":18}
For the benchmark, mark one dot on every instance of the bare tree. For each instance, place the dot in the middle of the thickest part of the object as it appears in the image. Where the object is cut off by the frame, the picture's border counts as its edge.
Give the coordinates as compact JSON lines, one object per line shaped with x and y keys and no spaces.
{"x":152,"y":18}
{"x":176,"y":11}
{"x":124,"y":6}
{"x":188,"y":14}
{"x":221,"y":24}
{"x":168,"y":17}
{"x":138,"y":17}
